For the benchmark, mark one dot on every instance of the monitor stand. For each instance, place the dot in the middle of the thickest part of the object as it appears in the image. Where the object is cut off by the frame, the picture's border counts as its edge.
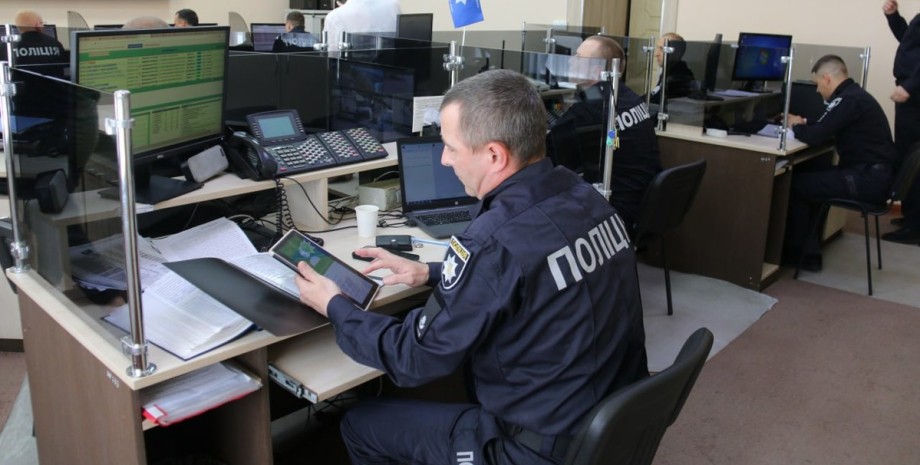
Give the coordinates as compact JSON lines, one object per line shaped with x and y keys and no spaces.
{"x":158,"y":189}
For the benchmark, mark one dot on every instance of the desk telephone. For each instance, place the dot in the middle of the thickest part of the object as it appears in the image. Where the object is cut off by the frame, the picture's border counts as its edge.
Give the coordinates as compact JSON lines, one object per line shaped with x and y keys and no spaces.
{"x":279,"y":146}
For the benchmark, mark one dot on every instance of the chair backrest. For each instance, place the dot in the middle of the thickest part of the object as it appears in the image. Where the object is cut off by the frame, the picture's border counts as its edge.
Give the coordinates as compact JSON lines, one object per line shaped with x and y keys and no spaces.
{"x":906,"y":175}
{"x":668,"y":198}
{"x":562,"y":145}
{"x":627,"y":426}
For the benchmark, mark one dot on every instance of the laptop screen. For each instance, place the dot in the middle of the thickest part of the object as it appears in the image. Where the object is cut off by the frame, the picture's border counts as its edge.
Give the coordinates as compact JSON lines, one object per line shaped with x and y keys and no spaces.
{"x":426,"y":183}
{"x":264,"y":35}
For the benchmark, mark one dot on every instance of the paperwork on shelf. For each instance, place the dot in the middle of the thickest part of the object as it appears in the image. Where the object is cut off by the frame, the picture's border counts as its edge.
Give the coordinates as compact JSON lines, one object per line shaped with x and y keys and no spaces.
{"x":178,"y":317}
{"x":197,"y":392}
{"x":773,"y":130}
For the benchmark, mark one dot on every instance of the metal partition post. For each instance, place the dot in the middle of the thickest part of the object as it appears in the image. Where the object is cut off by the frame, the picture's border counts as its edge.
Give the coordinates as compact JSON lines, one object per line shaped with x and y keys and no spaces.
{"x":649,"y":51}
{"x":344,"y":42}
{"x":18,"y":249}
{"x":453,"y":62}
{"x":550,"y":41}
{"x":865,"y":56}
{"x":134,"y":345}
{"x":788,"y":84}
{"x":662,"y":101}
{"x":611,"y":138}
{"x":323,"y":44}
{"x":8,"y":40}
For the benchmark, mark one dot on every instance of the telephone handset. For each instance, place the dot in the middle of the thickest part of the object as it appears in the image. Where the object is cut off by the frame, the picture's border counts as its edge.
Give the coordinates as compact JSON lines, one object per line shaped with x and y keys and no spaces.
{"x":248,"y":159}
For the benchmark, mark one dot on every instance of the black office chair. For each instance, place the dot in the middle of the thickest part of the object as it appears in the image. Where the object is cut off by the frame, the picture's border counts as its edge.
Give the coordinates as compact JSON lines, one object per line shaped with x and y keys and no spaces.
{"x":563,"y":147}
{"x":663,"y":208}
{"x":627,"y":426}
{"x":899,"y":188}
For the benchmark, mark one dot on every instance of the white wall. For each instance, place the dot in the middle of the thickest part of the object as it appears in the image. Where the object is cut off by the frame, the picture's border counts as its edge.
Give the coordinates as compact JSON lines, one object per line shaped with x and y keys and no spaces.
{"x":850,"y":23}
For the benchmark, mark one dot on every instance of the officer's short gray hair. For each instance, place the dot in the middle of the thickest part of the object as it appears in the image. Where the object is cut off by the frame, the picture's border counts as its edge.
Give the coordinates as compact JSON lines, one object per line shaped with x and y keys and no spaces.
{"x":501,"y":106}
{"x":830,"y":64}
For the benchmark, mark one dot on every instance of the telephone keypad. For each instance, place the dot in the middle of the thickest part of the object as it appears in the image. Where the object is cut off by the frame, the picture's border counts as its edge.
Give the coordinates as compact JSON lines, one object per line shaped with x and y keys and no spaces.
{"x":368,"y":145}
{"x":305,"y":156}
{"x":341,"y":148}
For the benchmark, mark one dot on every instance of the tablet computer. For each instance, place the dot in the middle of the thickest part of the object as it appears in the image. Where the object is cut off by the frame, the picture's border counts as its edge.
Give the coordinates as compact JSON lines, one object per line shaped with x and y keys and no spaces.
{"x":295,"y":247}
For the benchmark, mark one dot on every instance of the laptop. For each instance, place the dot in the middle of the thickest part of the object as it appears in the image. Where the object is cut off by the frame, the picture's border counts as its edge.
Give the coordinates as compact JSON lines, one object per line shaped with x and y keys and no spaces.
{"x":432,"y":195}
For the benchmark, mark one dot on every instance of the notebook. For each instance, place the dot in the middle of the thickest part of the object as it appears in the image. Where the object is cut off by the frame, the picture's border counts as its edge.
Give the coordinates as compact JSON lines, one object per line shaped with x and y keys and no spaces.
{"x":432,"y":195}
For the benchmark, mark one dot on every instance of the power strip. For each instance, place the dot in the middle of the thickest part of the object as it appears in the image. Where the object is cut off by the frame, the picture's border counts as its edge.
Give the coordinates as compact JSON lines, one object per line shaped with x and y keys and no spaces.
{"x":384,"y":194}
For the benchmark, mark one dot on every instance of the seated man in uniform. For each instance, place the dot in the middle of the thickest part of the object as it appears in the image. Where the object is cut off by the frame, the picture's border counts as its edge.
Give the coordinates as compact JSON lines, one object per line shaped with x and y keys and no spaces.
{"x":680,"y":82}
{"x":636,"y":162}
{"x":36,"y":50}
{"x":865,"y":148}
{"x":295,"y":37}
{"x":537,"y":301}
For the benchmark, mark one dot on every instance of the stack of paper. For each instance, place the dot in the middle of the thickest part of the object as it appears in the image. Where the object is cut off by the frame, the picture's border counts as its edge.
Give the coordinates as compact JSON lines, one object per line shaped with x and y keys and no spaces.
{"x":196,"y":392}
{"x":179,"y":317}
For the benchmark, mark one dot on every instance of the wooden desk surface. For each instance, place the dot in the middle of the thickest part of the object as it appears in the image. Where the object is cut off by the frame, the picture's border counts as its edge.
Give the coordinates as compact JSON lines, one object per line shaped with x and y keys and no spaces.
{"x":752,"y":143}
{"x":84,"y":323}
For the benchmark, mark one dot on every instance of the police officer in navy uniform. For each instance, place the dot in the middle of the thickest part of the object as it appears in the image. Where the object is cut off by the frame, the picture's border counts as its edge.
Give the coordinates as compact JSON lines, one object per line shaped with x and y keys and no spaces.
{"x":681,"y":82}
{"x":906,"y":96}
{"x":865,"y":148}
{"x":35,"y":47}
{"x":636,"y":160}
{"x":538,"y":301}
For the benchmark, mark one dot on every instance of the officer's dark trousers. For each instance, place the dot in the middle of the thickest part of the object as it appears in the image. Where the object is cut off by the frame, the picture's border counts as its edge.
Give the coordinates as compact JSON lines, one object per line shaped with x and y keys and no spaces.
{"x":906,"y":134}
{"x":809,"y":189}
{"x":405,"y":431}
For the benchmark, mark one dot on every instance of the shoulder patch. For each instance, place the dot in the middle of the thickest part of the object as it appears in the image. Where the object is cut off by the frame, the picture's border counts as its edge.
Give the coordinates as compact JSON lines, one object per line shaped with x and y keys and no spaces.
{"x":454,"y":263}
{"x":834,"y":103}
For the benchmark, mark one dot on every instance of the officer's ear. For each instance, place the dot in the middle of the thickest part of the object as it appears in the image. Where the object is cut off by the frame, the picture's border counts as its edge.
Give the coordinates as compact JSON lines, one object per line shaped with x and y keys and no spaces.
{"x":500,"y":156}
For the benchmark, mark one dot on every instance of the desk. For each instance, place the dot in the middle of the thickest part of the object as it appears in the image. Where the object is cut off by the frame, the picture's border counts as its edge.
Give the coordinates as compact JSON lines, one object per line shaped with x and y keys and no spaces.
{"x":77,"y":375}
{"x":734,"y":230}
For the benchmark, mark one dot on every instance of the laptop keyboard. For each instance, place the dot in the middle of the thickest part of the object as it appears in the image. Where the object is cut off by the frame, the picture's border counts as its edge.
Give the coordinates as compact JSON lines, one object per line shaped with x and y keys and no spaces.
{"x":455,"y":216}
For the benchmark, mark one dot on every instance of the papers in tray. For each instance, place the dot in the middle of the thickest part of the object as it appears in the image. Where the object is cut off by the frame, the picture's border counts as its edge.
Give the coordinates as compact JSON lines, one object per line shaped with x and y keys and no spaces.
{"x":178,"y":317}
{"x":193,"y":393}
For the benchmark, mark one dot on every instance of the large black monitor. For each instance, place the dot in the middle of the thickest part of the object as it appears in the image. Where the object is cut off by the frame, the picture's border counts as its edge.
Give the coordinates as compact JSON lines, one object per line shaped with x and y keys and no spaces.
{"x":759,"y":57}
{"x":711,"y":73}
{"x":264,"y":35}
{"x":47,"y":29}
{"x":377,"y":97}
{"x":177,"y":79}
{"x":414,"y":26}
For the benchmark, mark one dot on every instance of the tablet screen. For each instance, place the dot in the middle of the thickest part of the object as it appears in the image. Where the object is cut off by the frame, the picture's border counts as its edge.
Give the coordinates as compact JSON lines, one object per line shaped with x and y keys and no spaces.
{"x":294,"y":248}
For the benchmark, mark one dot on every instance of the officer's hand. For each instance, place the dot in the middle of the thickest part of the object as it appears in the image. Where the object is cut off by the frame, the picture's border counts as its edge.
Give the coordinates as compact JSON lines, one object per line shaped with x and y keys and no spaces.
{"x":900,"y":95}
{"x":890,"y":7}
{"x":315,"y":290}
{"x":793,"y":120}
{"x":405,"y":271}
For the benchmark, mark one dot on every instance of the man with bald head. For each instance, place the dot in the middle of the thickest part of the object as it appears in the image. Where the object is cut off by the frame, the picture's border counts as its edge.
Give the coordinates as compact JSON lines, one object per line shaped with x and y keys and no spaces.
{"x":637,"y":160}
{"x":145,"y":22}
{"x":862,"y":137}
{"x":680,"y":81}
{"x":34,"y":46}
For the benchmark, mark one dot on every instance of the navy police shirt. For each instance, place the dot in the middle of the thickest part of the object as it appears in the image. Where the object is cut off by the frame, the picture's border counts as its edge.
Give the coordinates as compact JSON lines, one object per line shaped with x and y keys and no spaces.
{"x":857,"y":121}
{"x":538,"y":299}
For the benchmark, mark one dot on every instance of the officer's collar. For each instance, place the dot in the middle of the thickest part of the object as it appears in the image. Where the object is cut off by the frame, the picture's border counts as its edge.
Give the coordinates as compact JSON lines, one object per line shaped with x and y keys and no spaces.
{"x":843,"y":85}
{"x":524,"y":173}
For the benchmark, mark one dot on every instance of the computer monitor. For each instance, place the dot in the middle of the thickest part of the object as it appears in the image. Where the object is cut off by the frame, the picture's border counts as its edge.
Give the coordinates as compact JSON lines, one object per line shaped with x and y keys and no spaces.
{"x":177,"y":79}
{"x":47,"y":29}
{"x":712,"y":64}
{"x":758,"y":57}
{"x":264,"y":35}
{"x":374,"y":96}
{"x":414,"y":26}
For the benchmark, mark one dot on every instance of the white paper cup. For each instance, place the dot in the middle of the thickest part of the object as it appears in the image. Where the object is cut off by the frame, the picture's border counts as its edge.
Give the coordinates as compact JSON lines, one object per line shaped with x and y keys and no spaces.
{"x":367,"y":220}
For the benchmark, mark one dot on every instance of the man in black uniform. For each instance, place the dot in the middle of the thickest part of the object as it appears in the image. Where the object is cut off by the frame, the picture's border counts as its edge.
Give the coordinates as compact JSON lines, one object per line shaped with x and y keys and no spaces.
{"x":35,"y":47}
{"x":864,"y":146}
{"x":537,"y":300}
{"x":636,"y":161}
{"x":680,"y":82}
{"x":296,"y":38}
{"x":906,"y":96}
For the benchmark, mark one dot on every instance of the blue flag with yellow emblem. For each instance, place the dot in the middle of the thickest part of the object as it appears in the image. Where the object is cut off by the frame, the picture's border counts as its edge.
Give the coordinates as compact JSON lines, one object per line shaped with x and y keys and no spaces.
{"x":465,"y":12}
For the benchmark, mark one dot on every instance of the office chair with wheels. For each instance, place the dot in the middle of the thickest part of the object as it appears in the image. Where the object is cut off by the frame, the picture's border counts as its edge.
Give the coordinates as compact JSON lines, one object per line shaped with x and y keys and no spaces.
{"x":627,"y":426}
{"x":899,"y":188}
{"x":663,"y":208}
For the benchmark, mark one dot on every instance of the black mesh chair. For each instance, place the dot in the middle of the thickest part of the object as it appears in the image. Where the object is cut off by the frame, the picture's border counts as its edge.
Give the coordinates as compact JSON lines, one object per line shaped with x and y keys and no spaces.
{"x":663,"y":208}
{"x":899,"y":188}
{"x":627,"y":426}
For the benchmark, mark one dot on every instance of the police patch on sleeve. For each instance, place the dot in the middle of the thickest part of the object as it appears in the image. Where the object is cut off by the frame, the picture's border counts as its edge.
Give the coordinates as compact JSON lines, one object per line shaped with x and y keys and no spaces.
{"x":454,"y":263}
